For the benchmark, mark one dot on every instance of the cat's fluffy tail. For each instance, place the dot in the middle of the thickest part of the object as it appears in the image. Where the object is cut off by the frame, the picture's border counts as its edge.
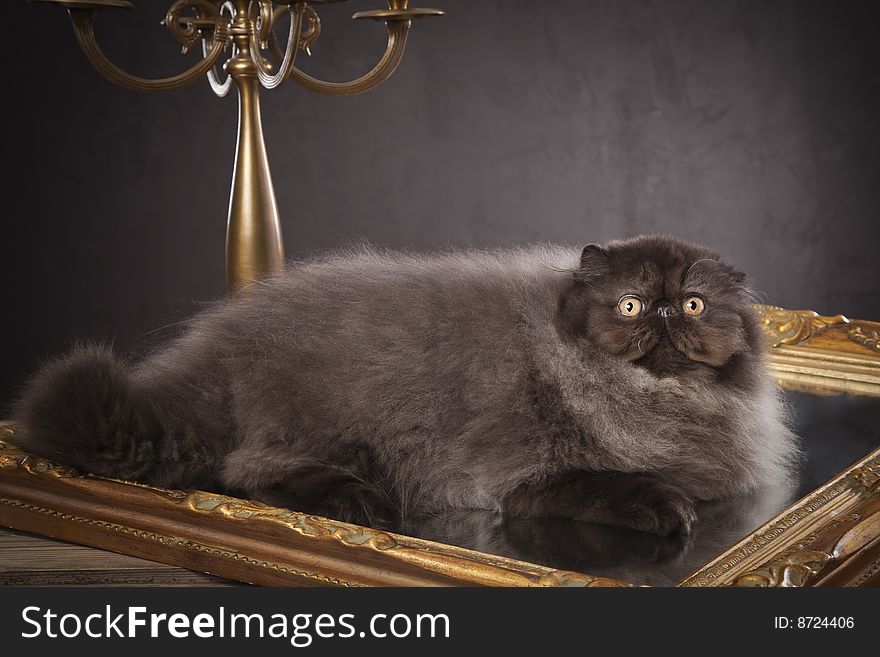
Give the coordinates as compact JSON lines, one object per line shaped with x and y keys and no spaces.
{"x":84,"y":410}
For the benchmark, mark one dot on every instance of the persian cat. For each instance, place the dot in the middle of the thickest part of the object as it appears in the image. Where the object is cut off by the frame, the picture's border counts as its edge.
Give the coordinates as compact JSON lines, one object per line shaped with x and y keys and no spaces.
{"x":617,"y":384}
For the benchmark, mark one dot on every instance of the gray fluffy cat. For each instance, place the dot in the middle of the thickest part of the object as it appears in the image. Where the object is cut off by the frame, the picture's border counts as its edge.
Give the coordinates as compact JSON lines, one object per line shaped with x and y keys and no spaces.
{"x":617,"y":384}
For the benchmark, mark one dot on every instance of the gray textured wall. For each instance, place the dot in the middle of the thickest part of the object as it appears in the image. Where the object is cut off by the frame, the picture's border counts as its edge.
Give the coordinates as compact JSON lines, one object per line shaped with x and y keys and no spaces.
{"x":749,"y":126}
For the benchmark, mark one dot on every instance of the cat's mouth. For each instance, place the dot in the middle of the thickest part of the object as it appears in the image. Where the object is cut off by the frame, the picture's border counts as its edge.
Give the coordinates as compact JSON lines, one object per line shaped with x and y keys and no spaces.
{"x":666,"y":350}
{"x":667,"y":346}
{"x":644,"y":346}
{"x":664,"y":359}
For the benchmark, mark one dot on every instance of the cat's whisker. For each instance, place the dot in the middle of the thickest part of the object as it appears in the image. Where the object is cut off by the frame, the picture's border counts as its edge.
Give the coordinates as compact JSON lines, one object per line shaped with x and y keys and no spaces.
{"x":166,"y":326}
{"x":695,"y":264}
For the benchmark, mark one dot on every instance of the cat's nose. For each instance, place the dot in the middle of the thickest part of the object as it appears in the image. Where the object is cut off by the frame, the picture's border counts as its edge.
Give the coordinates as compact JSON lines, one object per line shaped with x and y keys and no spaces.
{"x":664,"y":310}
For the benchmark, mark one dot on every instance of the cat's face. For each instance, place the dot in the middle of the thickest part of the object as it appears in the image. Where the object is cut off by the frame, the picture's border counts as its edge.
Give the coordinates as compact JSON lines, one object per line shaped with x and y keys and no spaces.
{"x":663,"y":304}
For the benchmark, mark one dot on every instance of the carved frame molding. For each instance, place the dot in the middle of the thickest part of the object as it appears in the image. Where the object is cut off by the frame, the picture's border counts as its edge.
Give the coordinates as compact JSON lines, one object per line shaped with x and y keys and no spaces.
{"x":822,"y":354}
{"x":239,"y":539}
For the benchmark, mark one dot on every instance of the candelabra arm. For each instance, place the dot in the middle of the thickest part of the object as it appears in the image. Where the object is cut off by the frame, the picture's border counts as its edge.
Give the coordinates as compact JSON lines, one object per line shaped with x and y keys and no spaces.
{"x":83,"y":26}
{"x":270,"y":81}
{"x":221,"y":89}
{"x":397,"y":33}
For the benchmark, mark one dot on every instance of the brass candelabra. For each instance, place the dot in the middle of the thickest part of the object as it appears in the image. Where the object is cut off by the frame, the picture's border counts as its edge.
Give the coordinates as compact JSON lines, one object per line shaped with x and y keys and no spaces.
{"x":243,"y":33}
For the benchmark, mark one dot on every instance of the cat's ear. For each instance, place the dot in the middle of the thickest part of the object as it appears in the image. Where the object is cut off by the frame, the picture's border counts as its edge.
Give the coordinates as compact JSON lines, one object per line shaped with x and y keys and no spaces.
{"x":594,"y":261}
{"x":716,"y":264}
{"x":716,"y":267}
{"x":738,"y":277}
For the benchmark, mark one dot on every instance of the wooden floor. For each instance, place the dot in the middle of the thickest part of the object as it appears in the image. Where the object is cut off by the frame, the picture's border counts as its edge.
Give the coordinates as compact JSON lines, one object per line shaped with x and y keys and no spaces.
{"x":28,"y":560}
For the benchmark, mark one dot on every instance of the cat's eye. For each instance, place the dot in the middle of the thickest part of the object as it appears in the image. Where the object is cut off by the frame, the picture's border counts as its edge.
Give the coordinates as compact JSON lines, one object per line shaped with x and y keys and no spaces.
{"x":693,"y":306}
{"x":629,"y":306}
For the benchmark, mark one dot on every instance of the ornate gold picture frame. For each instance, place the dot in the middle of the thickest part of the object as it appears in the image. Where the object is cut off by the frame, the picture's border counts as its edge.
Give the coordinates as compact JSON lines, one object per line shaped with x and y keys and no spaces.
{"x":831,"y":537}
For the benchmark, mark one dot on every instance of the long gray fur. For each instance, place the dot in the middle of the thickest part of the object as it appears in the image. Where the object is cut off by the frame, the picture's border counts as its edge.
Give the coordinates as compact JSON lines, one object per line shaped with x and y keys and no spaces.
{"x":369,"y":385}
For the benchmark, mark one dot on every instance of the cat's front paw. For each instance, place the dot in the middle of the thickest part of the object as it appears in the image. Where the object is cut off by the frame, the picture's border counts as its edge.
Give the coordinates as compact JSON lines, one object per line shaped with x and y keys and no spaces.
{"x":661,"y":509}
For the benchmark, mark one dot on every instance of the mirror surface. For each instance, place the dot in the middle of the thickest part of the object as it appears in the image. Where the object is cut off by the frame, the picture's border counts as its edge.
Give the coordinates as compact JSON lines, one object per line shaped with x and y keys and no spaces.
{"x":836,"y":432}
